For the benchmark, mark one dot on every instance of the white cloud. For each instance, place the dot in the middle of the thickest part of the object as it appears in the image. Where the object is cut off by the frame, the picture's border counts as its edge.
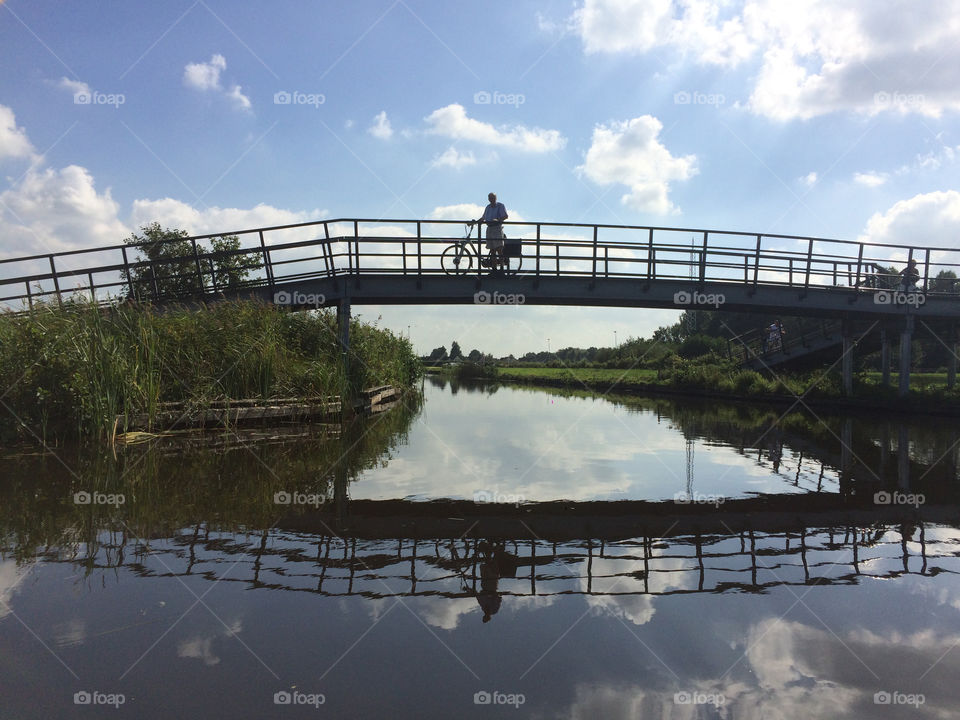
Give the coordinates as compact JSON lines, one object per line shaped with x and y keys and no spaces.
{"x":205,"y":77}
{"x":815,"y":57}
{"x":75,"y":87}
{"x":810,"y":179}
{"x":641,"y":25}
{"x":931,"y":219}
{"x":175,"y":213}
{"x":870,"y":179}
{"x":381,"y":128}
{"x":238,"y":98}
{"x":14,"y":142}
{"x":631,"y":154}
{"x":452,"y":122}
{"x":451,"y":157}
{"x":53,"y":210}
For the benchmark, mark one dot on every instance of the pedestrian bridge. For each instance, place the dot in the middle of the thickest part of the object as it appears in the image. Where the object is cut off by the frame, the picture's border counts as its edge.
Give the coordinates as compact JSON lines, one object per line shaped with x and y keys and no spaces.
{"x":364,"y":261}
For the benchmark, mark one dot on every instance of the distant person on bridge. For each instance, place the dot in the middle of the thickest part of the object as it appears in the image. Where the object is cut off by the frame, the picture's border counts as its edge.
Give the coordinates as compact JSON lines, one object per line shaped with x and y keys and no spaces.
{"x":909,"y":277}
{"x":494,"y":215}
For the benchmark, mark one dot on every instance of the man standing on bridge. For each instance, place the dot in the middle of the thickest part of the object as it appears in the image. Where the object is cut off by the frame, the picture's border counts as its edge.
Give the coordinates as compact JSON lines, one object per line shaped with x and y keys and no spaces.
{"x":494,"y":215}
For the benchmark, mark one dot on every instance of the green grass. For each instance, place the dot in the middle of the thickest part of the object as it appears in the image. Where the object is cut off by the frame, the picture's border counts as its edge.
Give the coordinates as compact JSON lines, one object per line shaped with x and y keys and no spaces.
{"x":633,"y":375}
{"x":928,"y":390}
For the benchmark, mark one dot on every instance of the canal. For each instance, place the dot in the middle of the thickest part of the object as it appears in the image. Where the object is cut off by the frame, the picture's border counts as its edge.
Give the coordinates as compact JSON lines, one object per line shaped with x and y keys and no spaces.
{"x":490,"y":550}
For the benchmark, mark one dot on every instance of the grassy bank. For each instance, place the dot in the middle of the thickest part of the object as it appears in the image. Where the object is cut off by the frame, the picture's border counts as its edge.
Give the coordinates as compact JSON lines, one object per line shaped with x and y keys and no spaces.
{"x":928,"y":393}
{"x":68,"y":372}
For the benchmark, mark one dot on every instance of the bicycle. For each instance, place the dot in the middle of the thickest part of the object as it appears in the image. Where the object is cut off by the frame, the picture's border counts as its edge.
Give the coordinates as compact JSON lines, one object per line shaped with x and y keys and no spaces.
{"x":461,"y":257}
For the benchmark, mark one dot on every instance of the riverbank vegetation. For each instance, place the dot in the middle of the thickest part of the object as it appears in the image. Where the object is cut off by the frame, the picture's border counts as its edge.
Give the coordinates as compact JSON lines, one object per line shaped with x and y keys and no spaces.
{"x":68,"y":371}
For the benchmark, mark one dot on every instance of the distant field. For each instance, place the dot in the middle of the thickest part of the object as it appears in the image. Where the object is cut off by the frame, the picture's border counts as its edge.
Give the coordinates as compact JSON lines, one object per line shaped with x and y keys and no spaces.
{"x":643,"y":375}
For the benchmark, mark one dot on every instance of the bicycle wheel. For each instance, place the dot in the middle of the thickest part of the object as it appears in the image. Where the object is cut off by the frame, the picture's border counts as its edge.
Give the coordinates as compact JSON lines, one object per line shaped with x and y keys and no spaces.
{"x":457,"y":260}
{"x":514,"y":264}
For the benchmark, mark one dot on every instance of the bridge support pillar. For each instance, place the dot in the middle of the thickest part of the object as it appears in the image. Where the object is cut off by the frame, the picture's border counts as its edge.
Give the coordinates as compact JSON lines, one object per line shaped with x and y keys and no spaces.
{"x":884,"y":358}
{"x":846,"y":360}
{"x":906,"y":338}
{"x":952,"y":359}
{"x":343,"y":330}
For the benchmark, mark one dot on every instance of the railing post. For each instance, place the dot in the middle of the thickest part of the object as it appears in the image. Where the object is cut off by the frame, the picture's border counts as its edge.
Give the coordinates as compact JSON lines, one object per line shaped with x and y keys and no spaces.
{"x":926,"y":270}
{"x":419,"y":252}
{"x":93,"y":289}
{"x":806,"y":280}
{"x":557,"y":247}
{"x":56,"y":281}
{"x":703,"y":261}
{"x":538,"y":250}
{"x":756,"y":264}
{"x":594,"y":252}
{"x":651,"y":257}
{"x":126,"y":271}
{"x":29,"y":294}
{"x":266,"y":261}
{"x":859,"y":264}
{"x":746,"y":269}
{"x":196,"y":260}
{"x":606,"y":261}
{"x":791,"y":272}
{"x":356,"y":244}
{"x":328,"y":252}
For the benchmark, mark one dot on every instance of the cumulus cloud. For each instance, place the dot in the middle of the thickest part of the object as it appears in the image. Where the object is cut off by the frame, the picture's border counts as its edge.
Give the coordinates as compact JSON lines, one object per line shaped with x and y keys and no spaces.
{"x":451,"y":157}
{"x":54,"y":210}
{"x":14,"y":142}
{"x":381,"y":128}
{"x":640,"y":25}
{"x":630,"y":153}
{"x":175,"y":213}
{"x":205,"y":77}
{"x":815,"y":57}
{"x":452,"y":122}
{"x":927,"y":219}
{"x":810,"y":179}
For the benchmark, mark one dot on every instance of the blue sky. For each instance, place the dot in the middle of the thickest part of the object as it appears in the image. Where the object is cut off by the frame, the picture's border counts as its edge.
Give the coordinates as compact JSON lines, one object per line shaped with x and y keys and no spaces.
{"x":834,"y":119}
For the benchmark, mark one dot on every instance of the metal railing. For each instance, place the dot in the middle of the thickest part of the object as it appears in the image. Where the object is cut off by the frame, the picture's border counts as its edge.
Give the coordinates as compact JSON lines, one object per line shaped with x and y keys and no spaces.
{"x":286,"y":254}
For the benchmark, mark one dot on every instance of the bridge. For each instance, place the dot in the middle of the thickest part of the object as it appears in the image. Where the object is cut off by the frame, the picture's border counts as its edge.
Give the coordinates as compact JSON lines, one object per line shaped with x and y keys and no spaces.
{"x":346,"y":261}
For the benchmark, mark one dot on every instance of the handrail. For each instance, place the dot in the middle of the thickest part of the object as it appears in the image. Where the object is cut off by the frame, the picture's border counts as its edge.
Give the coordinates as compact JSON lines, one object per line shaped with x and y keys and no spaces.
{"x":352,"y":246}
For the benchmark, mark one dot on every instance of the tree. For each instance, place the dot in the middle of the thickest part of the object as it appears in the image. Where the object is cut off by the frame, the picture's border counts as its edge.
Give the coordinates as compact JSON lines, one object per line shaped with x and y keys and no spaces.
{"x":455,"y":351}
{"x":438,"y":354}
{"x":171,"y":266}
{"x":945,"y":281}
{"x":475,"y":356}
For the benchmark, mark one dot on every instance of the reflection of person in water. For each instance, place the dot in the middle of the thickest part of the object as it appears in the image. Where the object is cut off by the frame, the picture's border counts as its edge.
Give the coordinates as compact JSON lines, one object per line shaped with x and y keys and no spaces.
{"x":495,"y":563}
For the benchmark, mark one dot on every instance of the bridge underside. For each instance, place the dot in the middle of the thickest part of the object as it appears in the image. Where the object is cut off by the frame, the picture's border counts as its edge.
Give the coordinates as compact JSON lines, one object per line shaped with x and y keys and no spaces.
{"x":396,"y":289}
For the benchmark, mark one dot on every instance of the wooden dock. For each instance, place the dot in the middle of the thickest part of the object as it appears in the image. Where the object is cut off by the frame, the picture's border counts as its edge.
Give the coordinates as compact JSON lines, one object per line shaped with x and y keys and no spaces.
{"x":230,"y":413}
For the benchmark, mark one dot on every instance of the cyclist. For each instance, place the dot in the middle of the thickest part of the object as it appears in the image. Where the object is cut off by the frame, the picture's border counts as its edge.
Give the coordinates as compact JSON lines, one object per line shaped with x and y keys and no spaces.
{"x":494,"y":215}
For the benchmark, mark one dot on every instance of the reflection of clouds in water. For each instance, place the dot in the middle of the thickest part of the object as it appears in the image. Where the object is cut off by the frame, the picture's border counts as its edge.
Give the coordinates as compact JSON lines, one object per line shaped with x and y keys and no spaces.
{"x":443,"y":613}
{"x":10,"y":578}
{"x":201,"y":646}
{"x":791,"y":670}
{"x":635,"y":608}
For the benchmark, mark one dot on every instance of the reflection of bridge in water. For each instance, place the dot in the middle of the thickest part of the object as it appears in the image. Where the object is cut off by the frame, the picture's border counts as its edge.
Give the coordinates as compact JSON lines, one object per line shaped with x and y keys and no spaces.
{"x":851,"y":546}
